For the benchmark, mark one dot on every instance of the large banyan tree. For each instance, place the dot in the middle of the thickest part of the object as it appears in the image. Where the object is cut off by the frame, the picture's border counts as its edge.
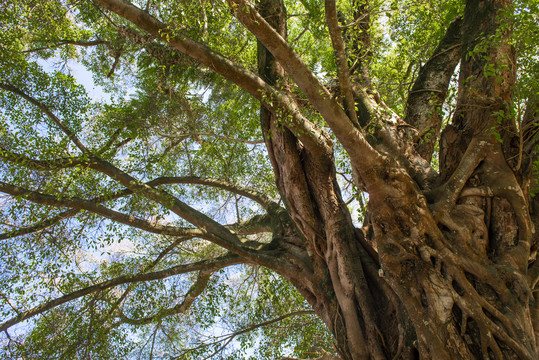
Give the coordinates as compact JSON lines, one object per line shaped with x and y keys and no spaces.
{"x":367,"y":165}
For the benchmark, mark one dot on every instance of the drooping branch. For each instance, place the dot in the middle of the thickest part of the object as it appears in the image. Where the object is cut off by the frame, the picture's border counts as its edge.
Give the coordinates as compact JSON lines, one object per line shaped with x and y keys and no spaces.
{"x":256,"y":196}
{"x":223,"y":137}
{"x":196,"y":289}
{"x":255,"y":225}
{"x":312,"y":136}
{"x":204,"y":265}
{"x":148,"y":268}
{"x":46,"y":111}
{"x":229,"y":337}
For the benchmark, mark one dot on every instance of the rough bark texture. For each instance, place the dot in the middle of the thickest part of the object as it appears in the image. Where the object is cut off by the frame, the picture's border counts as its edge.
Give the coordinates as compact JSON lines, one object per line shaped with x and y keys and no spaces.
{"x":444,"y":267}
{"x":452,"y":258}
{"x":440,"y":270}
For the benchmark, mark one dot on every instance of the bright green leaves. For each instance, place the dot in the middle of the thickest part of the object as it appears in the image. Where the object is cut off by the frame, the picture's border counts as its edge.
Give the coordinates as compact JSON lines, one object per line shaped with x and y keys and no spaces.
{"x":74,"y":331}
{"x":29,"y":122}
{"x":308,"y":35}
{"x":524,"y":38}
{"x":408,"y":33}
{"x":242,"y":298}
{"x":166,"y":116}
{"x":37,"y":26}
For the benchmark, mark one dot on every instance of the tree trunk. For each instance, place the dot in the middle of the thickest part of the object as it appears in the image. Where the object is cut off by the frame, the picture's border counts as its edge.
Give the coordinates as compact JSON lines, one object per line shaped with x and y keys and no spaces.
{"x":448,"y":280}
{"x":440,"y":271}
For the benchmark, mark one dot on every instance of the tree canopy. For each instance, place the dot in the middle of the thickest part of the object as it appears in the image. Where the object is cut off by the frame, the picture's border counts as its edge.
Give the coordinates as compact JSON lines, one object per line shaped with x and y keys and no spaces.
{"x":193,"y":179}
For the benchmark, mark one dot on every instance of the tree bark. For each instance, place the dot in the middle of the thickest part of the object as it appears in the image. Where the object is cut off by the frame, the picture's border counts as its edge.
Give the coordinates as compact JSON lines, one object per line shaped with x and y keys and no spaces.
{"x":443,"y":268}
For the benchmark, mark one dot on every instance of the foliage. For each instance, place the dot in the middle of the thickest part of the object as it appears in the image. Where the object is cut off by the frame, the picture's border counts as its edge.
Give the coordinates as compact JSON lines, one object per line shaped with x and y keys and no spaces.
{"x":163,"y":114}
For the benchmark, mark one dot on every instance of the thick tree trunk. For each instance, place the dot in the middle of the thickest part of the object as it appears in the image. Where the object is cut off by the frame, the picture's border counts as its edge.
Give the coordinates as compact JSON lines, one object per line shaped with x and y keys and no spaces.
{"x":343,"y":272}
{"x":445,"y":266}
{"x":441,"y":269}
{"x":448,"y":280}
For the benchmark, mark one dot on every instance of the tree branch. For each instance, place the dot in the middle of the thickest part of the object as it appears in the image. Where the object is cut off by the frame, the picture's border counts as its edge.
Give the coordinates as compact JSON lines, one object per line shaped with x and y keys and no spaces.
{"x":256,"y":196}
{"x":220,"y":235}
{"x":196,"y":289}
{"x":41,"y":225}
{"x":47,"y":112}
{"x":312,"y":136}
{"x":92,"y":206}
{"x":161,"y":256}
{"x":40,"y":165}
{"x":227,"y":138}
{"x":70,"y":42}
{"x":63,"y":163}
{"x":530,"y":125}
{"x":255,"y":225}
{"x":229,"y":337}
{"x":110,"y":142}
{"x":342,"y":63}
{"x":445,"y":196}
{"x":46,"y":165}
{"x":363,"y":156}
{"x":213,"y":264}
{"x":424,"y":104}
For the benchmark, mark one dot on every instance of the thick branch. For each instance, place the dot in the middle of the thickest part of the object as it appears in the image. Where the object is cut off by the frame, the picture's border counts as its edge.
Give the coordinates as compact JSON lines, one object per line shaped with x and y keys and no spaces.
{"x":39,"y":165}
{"x":530,"y":129}
{"x":445,"y":196}
{"x":166,"y":55}
{"x":91,"y":205}
{"x":360,"y":40}
{"x":213,"y":264}
{"x":255,"y":225}
{"x":423,"y":108}
{"x":209,"y":228}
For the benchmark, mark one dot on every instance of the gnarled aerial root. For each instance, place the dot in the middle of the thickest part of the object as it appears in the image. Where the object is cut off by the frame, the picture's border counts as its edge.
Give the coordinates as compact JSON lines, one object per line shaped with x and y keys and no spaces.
{"x":444,"y":267}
